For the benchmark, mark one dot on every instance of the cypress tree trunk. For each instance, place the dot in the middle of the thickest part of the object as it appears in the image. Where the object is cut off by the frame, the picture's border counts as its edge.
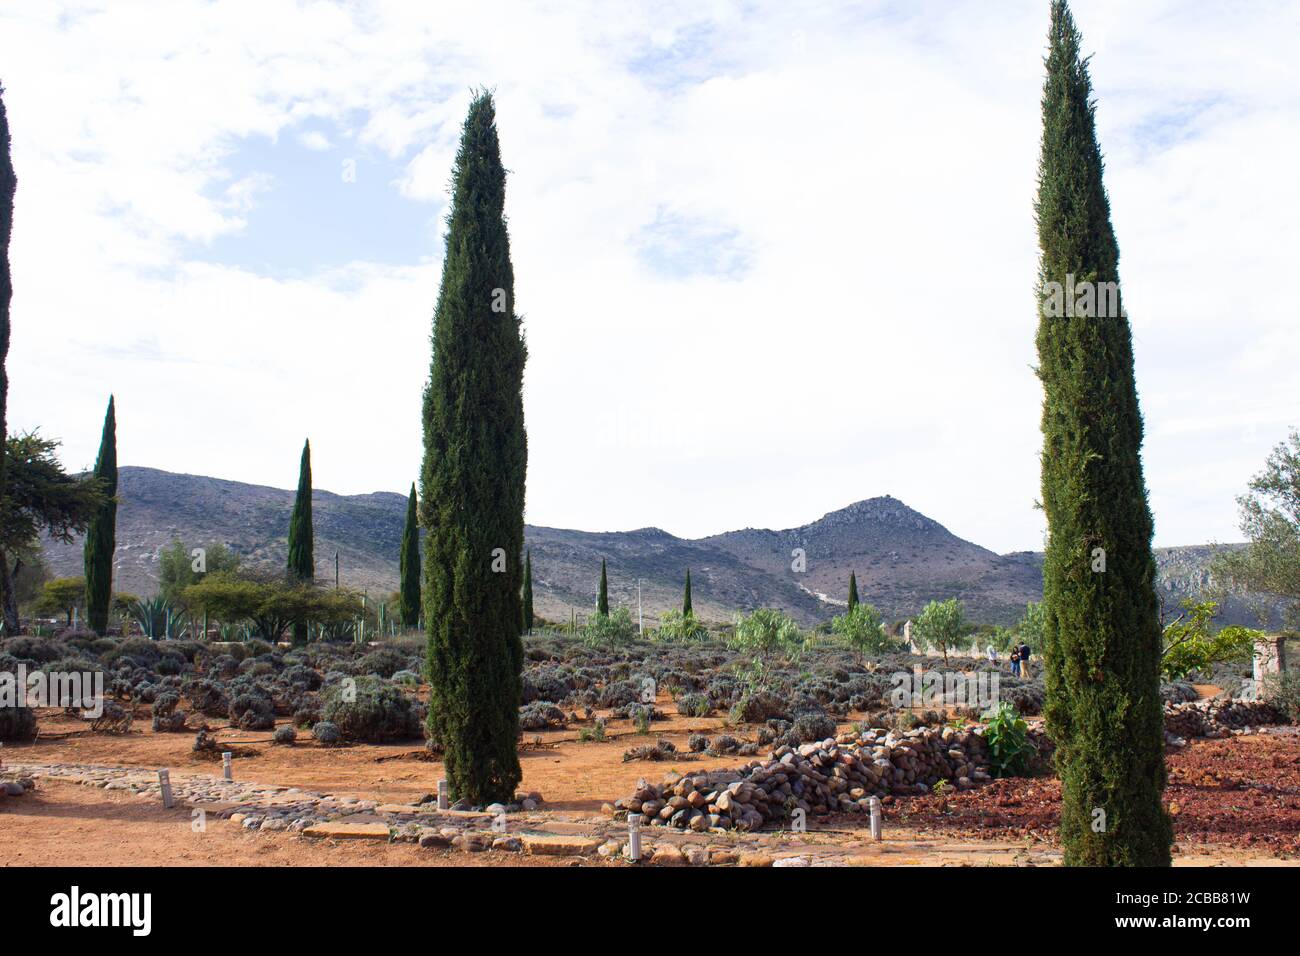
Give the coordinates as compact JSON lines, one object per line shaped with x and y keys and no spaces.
{"x":302,"y":563}
{"x":410,"y":564}
{"x":8,"y":186}
{"x":853,"y":590}
{"x":101,"y":536}
{"x":528,"y":593}
{"x":602,"y":595}
{"x":687,"y":609}
{"x":472,"y":494}
{"x":1102,"y":638}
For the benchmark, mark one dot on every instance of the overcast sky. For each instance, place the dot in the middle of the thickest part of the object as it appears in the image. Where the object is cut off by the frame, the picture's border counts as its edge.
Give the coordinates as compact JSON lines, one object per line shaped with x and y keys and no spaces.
{"x":772,"y":258}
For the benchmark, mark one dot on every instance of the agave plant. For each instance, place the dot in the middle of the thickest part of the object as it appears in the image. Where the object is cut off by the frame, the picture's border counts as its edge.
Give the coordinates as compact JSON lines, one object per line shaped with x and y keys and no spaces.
{"x":158,"y":619}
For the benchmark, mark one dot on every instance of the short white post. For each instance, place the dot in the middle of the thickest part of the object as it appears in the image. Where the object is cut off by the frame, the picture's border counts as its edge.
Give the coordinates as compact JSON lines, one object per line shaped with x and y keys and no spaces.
{"x":443,"y":800}
{"x":875,"y":818}
{"x":225,"y":766}
{"x":634,"y":837}
{"x":165,"y":783}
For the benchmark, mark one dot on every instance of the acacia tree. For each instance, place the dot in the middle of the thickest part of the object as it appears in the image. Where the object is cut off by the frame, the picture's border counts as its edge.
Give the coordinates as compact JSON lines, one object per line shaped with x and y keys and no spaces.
{"x":101,"y":536}
{"x":410,"y":564}
{"x":1101,"y":630}
{"x":472,"y":492}
{"x":41,"y":501}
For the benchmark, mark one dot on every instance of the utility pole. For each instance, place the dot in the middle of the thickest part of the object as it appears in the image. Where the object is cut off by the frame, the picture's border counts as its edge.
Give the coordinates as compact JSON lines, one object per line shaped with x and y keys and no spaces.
{"x":640,"y":620}
{"x":336,"y":570}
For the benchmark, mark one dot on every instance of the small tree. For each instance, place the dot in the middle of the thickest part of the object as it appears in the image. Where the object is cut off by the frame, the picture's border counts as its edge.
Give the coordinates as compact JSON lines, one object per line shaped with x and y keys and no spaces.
{"x":62,"y":596}
{"x":862,"y":630}
{"x":101,"y":534}
{"x":1270,"y":518}
{"x":1030,"y":629}
{"x":1190,"y":646}
{"x":179,"y":566}
{"x":688,"y":610}
{"x":768,"y":637}
{"x":853,"y":590}
{"x":941,"y":625}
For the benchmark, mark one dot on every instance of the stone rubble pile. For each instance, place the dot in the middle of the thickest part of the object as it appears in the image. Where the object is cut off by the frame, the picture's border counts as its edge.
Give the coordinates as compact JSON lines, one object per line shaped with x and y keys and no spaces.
{"x":836,"y":775}
{"x":1217,"y":717}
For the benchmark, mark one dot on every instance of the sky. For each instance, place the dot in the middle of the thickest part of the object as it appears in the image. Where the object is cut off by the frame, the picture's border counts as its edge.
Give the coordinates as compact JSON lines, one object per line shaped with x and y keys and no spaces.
{"x":772,"y":258}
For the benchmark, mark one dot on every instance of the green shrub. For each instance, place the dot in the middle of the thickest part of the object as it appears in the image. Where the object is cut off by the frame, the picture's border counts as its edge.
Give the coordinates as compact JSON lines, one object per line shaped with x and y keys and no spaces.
{"x":374,"y":711}
{"x":1008,"y":738}
{"x":613,"y":628}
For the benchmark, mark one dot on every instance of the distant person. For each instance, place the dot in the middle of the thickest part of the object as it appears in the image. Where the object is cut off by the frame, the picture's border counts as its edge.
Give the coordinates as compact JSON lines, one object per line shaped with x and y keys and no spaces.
{"x":1015,"y":661}
{"x":991,"y":654}
{"x":1024,"y":661}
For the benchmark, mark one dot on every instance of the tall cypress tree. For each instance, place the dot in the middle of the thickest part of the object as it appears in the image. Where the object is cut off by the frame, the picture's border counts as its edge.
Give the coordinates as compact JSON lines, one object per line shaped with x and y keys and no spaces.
{"x":410,"y":564}
{"x":302,"y":563}
{"x":8,"y":186}
{"x":853,"y":590}
{"x":602,"y":595}
{"x":101,"y":536}
{"x":528,"y":593}
{"x":1101,"y":637}
{"x":472,"y":492}
{"x":687,"y":609}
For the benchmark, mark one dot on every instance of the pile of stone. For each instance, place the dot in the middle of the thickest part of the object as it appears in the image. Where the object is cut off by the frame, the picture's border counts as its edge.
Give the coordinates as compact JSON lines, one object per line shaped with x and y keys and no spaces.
{"x":1217,"y":717}
{"x":13,"y":785}
{"x":836,"y":775}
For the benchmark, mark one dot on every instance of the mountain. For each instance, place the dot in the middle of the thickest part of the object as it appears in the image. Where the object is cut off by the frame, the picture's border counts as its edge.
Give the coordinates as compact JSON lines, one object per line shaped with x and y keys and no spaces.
{"x":902,"y":558}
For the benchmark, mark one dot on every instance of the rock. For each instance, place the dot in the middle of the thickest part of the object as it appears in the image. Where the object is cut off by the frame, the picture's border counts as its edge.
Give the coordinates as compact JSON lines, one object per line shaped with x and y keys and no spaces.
{"x":508,"y":844}
{"x":667,"y":855}
{"x":432,"y":840}
{"x":696,"y":855}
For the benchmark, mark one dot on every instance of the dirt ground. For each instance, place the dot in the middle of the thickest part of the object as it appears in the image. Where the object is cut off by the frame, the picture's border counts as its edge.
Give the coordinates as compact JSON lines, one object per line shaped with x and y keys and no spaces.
{"x":1235,"y":802}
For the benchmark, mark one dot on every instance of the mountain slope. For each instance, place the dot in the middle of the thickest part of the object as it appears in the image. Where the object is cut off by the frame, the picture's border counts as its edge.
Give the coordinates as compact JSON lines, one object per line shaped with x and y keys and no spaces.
{"x":902,"y":558}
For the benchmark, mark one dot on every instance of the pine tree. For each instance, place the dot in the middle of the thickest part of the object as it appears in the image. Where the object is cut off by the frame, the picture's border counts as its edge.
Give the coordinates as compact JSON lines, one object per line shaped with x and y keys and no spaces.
{"x":302,"y":563}
{"x":687,"y":609}
{"x":853,"y":590}
{"x":8,"y":186}
{"x":528,"y":593}
{"x":410,"y":565}
{"x":472,"y":491}
{"x":101,"y":536}
{"x":1102,"y":640}
{"x":602,"y":596}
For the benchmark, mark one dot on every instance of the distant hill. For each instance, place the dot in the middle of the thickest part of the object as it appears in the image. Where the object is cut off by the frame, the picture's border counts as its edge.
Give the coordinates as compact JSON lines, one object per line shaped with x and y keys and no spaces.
{"x":902,"y":558}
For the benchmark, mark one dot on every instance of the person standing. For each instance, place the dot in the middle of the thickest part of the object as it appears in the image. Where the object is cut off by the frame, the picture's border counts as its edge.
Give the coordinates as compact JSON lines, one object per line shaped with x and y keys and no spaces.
{"x":1015,"y":661}
{"x":1024,"y":661}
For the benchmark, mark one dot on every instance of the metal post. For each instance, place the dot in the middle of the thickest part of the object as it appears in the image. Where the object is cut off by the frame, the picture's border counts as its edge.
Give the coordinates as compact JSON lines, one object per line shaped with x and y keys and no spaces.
{"x":875,"y":818}
{"x":640,"y":620}
{"x":634,"y":837}
{"x":443,"y":799}
{"x":225,"y":766}
{"x":165,"y":784}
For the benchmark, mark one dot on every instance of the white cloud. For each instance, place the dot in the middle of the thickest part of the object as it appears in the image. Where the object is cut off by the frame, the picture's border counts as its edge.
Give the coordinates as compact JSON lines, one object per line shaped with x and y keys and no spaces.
{"x":874,"y":164}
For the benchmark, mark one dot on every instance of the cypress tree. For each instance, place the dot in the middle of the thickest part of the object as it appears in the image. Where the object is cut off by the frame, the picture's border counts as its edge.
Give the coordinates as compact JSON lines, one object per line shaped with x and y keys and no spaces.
{"x":853,"y":590}
{"x":1101,"y":636}
{"x":687,"y":609}
{"x":602,"y":596}
{"x":302,"y":564}
{"x":528,"y":593}
{"x":8,"y":186}
{"x":410,"y":564}
{"x":101,"y":536}
{"x":472,"y":492}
